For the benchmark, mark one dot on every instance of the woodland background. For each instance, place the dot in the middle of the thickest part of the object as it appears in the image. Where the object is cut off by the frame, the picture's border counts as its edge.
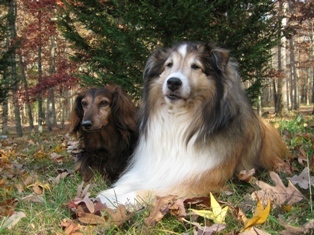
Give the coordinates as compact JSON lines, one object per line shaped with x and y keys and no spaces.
{"x":49,"y":49}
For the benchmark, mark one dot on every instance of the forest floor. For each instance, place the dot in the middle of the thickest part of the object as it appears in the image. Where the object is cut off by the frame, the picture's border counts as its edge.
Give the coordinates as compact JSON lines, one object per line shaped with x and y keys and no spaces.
{"x":41,"y":194}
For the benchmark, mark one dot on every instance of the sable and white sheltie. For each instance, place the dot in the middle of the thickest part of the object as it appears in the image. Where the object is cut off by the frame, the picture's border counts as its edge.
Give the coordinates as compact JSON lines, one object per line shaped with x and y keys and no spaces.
{"x":197,"y":128}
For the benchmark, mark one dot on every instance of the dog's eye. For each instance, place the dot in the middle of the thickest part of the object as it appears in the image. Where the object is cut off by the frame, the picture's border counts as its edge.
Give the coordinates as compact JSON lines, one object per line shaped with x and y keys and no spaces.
{"x":195,"y":66}
{"x":84,"y":103}
{"x":104,"y":103}
{"x":169,"y":65}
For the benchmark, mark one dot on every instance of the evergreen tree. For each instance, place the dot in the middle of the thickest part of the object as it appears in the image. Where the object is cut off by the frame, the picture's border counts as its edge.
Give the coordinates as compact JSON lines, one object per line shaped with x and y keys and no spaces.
{"x":112,"y":39}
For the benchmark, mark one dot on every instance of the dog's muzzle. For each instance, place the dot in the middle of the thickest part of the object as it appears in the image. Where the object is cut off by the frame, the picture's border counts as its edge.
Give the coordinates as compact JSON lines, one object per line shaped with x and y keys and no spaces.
{"x":174,"y":84}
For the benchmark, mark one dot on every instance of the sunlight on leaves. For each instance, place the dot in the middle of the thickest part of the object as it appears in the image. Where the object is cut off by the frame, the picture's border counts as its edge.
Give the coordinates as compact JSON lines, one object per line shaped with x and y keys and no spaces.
{"x":217,"y":214}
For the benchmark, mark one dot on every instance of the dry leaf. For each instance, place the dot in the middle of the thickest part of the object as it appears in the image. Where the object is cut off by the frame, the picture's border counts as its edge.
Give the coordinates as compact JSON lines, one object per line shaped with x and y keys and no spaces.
{"x":293,"y":230}
{"x":303,"y":180}
{"x":7,"y":207}
{"x":56,"y":157}
{"x":259,"y":217}
{"x":254,"y":231}
{"x":205,"y":230}
{"x":246,"y":175}
{"x":178,"y":209}
{"x":217,"y":214}
{"x":33,"y":198}
{"x":89,"y":218}
{"x":161,"y":208}
{"x":13,"y":220}
{"x":119,"y":215}
{"x":70,"y":227}
{"x":278,"y":194}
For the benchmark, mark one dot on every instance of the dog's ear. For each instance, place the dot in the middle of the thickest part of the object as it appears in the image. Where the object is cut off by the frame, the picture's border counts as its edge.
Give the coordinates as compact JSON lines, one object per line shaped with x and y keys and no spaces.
{"x":220,"y":111}
{"x":123,"y":110}
{"x":76,"y":115}
{"x":155,"y":63}
{"x":220,"y":57}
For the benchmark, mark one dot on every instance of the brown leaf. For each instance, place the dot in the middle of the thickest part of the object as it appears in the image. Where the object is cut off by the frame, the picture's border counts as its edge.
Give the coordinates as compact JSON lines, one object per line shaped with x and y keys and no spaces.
{"x":254,"y":231}
{"x":178,"y":209}
{"x":246,"y":175}
{"x":33,"y":198}
{"x":91,"y":219}
{"x":38,"y":190}
{"x":55,"y":157}
{"x":70,"y":227}
{"x":293,"y":230}
{"x":161,"y":208}
{"x":119,"y":215}
{"x":7,"y":207}
{"x":303,"y":180}
{"x":205,"y":230}
{"x":278,"y":194}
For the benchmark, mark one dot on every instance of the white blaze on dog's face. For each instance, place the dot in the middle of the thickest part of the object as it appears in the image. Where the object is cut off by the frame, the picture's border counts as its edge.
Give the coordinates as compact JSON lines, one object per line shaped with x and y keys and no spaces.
{"x":183,"y":76}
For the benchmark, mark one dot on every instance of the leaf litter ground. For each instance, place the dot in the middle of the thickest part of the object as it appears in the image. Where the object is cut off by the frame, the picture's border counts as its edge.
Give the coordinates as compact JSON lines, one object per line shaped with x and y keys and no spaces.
{"x":40,"y":194}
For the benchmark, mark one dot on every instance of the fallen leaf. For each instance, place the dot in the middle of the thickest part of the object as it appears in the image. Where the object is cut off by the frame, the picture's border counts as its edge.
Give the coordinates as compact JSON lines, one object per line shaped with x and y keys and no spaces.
{"x":70,"y":227}
{"x":246,"y":175}
{"x":279,"y":194}
{"x":213,"y":229}
{"x":303,"y":180}
{"x":38,"y":187}
{"x":7,"y":207}
{"x":119,"y":215}
{"x":89,"y":218}
{"x":13,"y":220}
{"x":259,"y":217}
{"x":293,"y":230}
{"x":161,"y":208}
{"x":33,"y":198}
{"x":217,"y":214}
{"x":178,"y":209}
{"x":55,"y":157}
{"x":254,"y":231}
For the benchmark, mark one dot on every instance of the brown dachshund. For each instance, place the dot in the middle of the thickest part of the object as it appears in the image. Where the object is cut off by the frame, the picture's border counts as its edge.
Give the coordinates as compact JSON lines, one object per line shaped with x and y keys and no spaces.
{"x":104,"y":121}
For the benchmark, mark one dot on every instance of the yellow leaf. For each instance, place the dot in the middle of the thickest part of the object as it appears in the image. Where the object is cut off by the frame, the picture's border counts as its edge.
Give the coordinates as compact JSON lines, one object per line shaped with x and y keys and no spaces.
{"x":41,"y":185}
{"x":217,"y":214}
{"x":259,"y":217}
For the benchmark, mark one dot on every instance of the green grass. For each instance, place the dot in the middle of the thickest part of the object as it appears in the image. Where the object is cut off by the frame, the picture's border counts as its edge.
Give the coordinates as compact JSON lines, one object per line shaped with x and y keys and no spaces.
{"x":32,"y":155}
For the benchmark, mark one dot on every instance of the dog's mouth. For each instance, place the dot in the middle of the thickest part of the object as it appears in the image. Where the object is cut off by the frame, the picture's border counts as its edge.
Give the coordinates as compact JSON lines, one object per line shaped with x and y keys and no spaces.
{"x":173,"y":96}
{"x":92,"y":129}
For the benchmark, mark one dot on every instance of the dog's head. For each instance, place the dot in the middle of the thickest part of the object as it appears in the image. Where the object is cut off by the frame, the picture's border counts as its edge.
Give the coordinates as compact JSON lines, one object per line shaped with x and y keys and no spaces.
{"x":96,"y":108}
{"x":192,"y":75}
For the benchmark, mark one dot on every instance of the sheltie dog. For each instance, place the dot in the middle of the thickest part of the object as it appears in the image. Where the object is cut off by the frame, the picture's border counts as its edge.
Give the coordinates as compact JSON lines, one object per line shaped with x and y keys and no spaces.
{"x":197,"y":128}
{"x":104,"y":121}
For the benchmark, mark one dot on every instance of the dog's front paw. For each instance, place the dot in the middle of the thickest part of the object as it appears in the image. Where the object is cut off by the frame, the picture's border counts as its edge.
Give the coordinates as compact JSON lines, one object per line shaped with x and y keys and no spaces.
{"x":112,"y":199}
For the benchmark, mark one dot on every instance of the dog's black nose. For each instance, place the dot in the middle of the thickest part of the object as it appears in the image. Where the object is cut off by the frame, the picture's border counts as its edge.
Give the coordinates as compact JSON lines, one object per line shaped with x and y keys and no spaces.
{"x":87,"y":124}
{"x":174,"y":83}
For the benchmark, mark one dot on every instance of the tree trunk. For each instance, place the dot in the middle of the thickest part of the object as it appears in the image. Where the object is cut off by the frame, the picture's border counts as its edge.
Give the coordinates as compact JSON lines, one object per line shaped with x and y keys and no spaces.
{"x":28,"y":105}
{"x":293,"y":75}
{"x":4,"y":123}
{"x":11,"y":21}
{"x":278,"y":90}
{"x":39,"y":96}
{"x":51,"y":110}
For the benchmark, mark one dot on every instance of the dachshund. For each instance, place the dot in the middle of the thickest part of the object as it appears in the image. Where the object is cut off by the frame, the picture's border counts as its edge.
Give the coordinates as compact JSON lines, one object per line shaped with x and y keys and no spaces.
{"x":104,"y":122}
